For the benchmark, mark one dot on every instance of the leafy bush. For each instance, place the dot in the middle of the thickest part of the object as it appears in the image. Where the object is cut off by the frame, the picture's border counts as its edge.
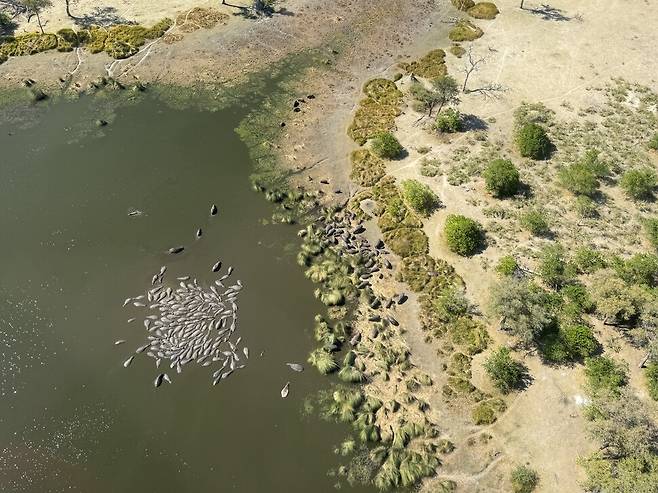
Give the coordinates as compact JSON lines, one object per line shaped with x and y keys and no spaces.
{"x":505,"y":372}
{"x":507,"y":266}
{"x":533,"y":142}
{"x":463,"y":235}
{"x":651,"y":229}
{"x":651,"y":374}
{"x":385,"y":145}
{"x":448,"y":121}
{"x":604,"y":374}
{"x":457,"y":50}
{"x":483,"y":10}
{"x":524,"y":479}
{"x":502,"y":178}
{"x":653,"y":143}
{"x":420,"y":197}
{"x":535,"y":221}
{"x":639,"y":184}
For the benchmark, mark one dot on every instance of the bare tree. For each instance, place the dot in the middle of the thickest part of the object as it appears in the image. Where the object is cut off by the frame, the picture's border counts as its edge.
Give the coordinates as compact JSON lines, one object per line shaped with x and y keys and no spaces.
{"x":522,"y":3}
{"x":35,"y":7}
{"x":68,"y":9}
{"x":472,"y":65}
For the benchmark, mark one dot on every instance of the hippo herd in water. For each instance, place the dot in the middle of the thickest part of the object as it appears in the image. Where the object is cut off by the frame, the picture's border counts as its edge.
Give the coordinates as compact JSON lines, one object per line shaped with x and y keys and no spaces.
{"x":190,"y":323}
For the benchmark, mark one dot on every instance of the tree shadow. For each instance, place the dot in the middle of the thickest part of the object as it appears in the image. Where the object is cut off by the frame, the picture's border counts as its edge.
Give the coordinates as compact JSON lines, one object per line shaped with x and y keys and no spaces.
{"x":7,"y":27}
{"x":473,"y":122}
{"x":548,"y":13}
{"x":101,"y":16}
{"x":265,"y":10}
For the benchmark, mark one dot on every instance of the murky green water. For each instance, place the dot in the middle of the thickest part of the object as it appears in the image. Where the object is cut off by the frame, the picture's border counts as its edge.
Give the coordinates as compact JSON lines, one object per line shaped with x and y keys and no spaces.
{"x":72,"y":418}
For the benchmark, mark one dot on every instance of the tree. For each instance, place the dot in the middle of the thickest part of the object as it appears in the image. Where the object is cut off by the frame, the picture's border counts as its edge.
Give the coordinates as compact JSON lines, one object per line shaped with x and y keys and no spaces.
{"x":502,"y":178}
{"x":463,"y":235}
{"x":472,"y":65}
{"x":639,"y":184}
{"x":444,"y":91}
{"x":523,"y":308}
{"x":36,"y":7}
{"x":505,"y":372}
{"x":385,"y":145}
{"x":533,"y":142}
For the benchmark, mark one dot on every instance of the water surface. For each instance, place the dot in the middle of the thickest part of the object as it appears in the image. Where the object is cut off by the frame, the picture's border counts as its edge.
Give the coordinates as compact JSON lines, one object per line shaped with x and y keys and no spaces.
{"x":72,"y":418}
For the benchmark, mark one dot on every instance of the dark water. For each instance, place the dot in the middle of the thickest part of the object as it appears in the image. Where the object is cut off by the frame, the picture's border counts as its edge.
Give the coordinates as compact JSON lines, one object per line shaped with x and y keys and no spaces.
{"x":71,"y":417}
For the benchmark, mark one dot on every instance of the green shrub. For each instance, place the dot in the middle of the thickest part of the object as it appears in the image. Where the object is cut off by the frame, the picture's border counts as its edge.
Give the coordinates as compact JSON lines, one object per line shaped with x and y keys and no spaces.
{"x":502,"y":178}
{"x":639,"y":184}
{"x":553,"y":267}
{"x":465,"y":30}
{"x":535,"y":221}
{"x":483,"y":10}
{"x":524,"y":479}
{"x":579,"y":341}
{"x":385,"y":145}
{"x":640,"y":269}
{"x":507,"y":266}
{"x":420,"y":197}
{"x":505,"y":372}
{"x":579,"y":179}
{"x":587,"y":260}
{"x":463,"y":235}
{"x":578,"y":295}
{"x":448,"y":121}
{"x":651,"y":374}
{"x":604,"y":374}
{"x":651,"y":230}
{"x":533,"y":142}
{"x":653,"y":143}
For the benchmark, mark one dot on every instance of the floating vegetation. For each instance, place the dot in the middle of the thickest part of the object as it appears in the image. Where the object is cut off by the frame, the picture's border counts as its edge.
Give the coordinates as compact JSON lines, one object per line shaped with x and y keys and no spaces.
{"x":323,"y":360}
{"x":377,"y":112}
{"x":191,"y":324}
{"x":430,"y":66}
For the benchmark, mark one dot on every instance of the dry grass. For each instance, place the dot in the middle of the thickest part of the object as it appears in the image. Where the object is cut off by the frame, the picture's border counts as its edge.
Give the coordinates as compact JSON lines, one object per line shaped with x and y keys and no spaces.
{"x":430,"y":66}
{"x":483,"y":10}
{"x":465,"y":30}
